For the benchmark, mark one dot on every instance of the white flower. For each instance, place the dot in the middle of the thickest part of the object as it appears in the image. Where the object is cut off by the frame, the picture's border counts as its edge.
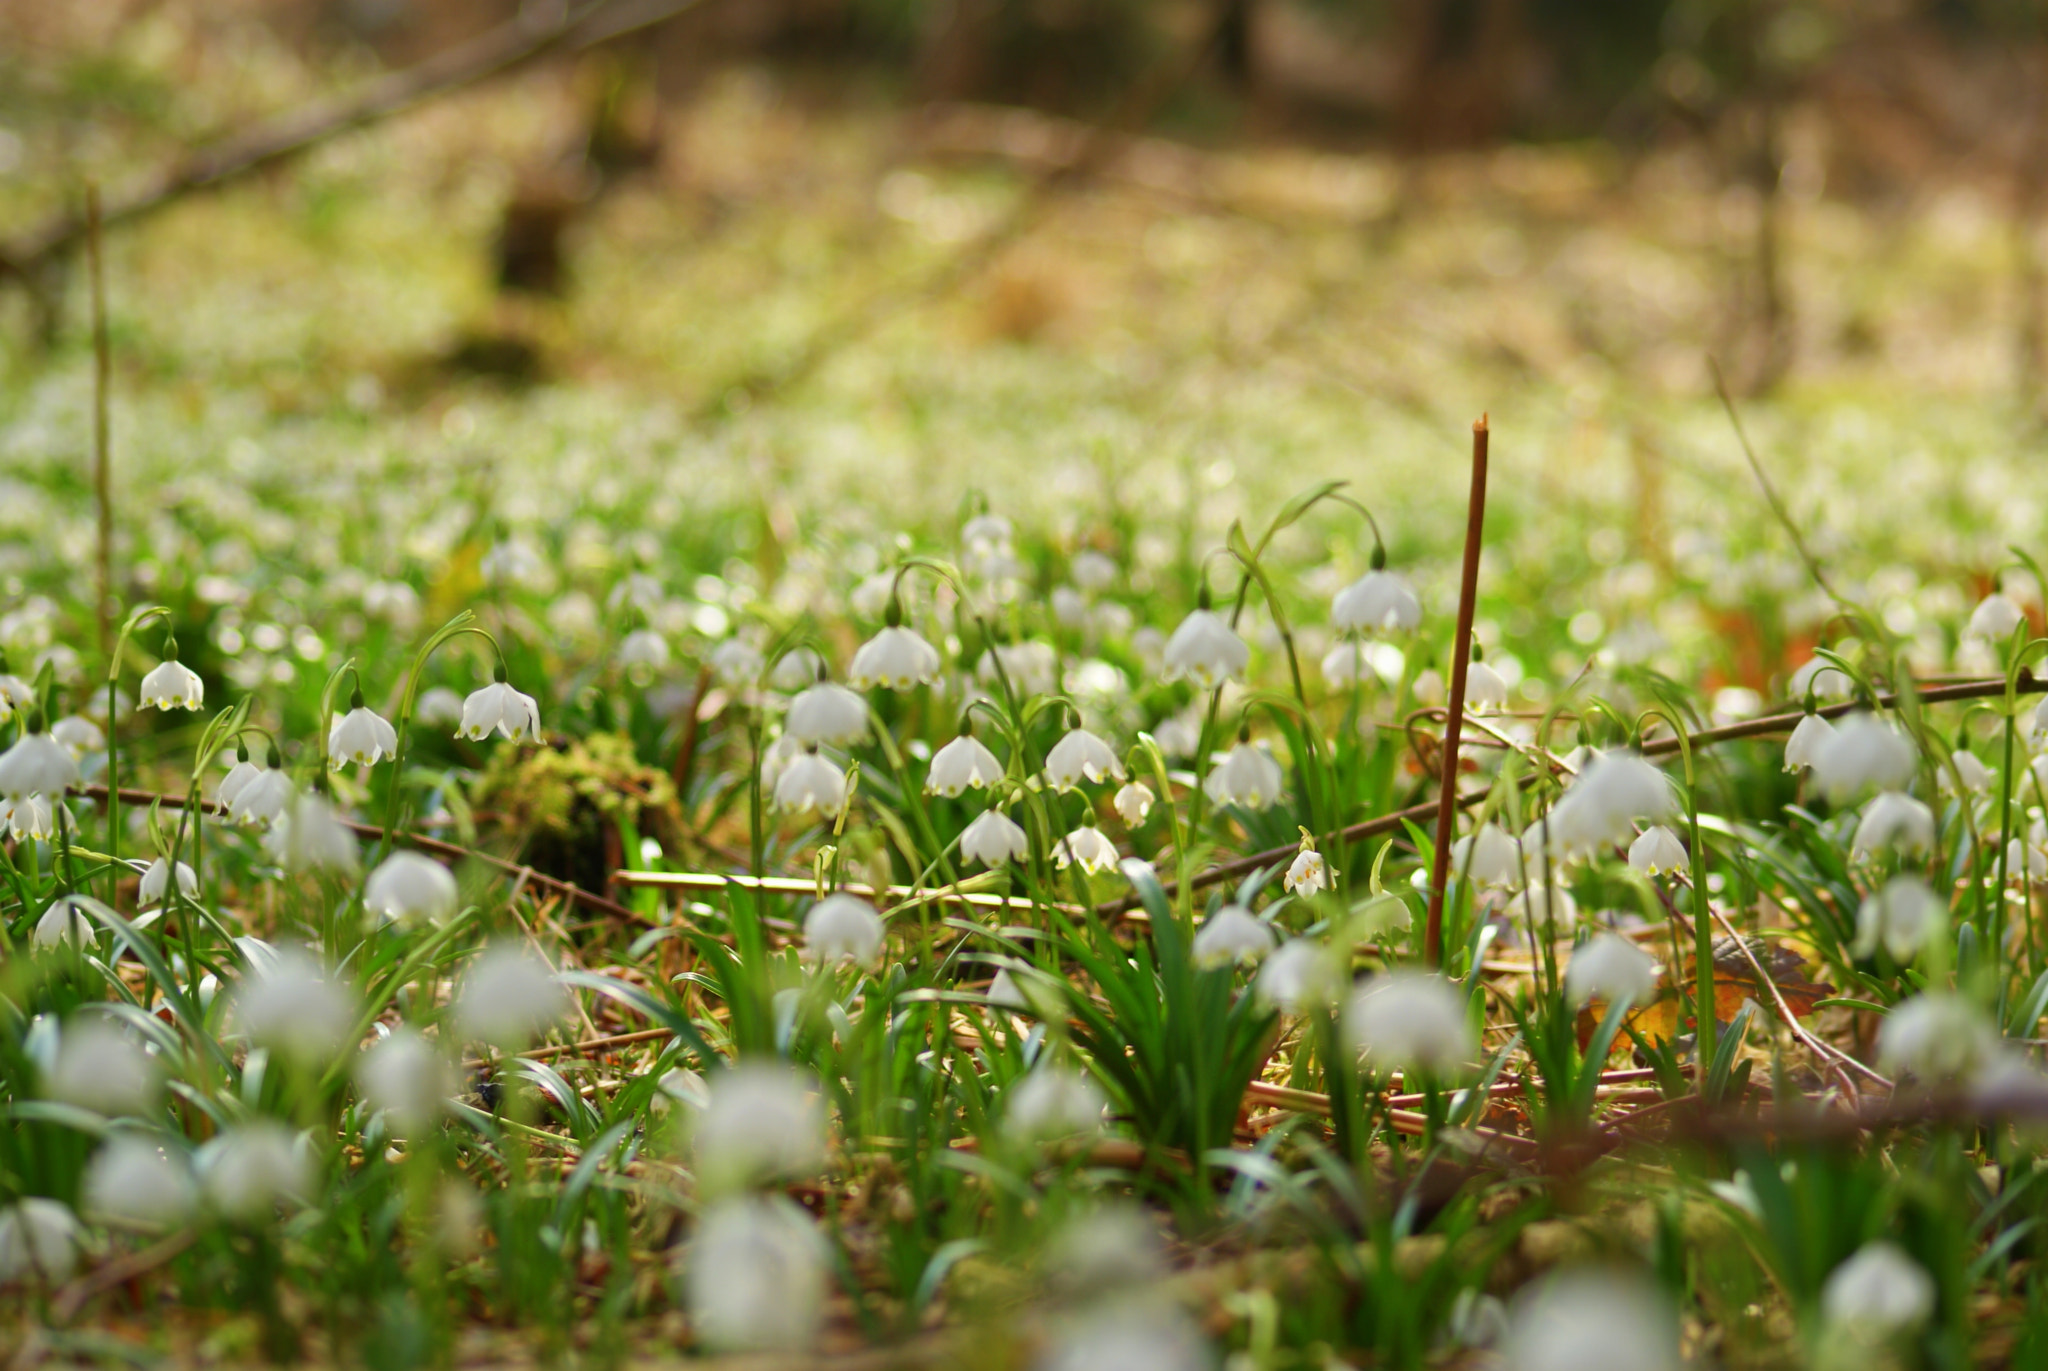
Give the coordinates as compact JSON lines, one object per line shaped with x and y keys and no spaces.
{"x":1052,"y":1102}
{"x":1232,"y":934}
{"x":985,"y":534}
{"x":1812,"y":734}
{"x":1298,"y":974}
{"x":1494,"y":857}
{"x":843,"y":928}
{"x":763,"y":1122}
{"x":2022,"y":861}
{"x":37,"y":764}
{"x":1429,"y":686}
{"x":1547,"y":907}
{"x":963,"y":764}
{"x":1610,"y":967}
{"x":1657,"y":851}
{"x":101,"y":1068}
{"x":38,"y":1242}
{"x":1601,"y":808}
{"x":1094,"y":570}
{"x":992,"y":839}
{"x":1129,"y":1336}
{"x":30,"y":818}
{"x":642,"y":652}
{"x":795,"y":669}
{"x":439,"y":706}
{"x":1081,"y":754}
{"x":897,"y":658}
{"x":1880,"y":1291}
{"x":1937,"y":1036}
{"x":238,"y":777}
{"x":362,"y":736}
{"x":1032,"y":668}
{"x":1485,"y":690}
{"x":1894,"y":820}
{"x":737,"y":663}
{"x":1247,"y":776}
{"x":251,"y":1168}
{"x":310,"y":836}
{"x":173,"y":685}
{"x":290,"y":1005}
{"x":1410,"y":1020}
{"x":1900,"y":916}
{"x":1180,"y":736}
{"x":15,"y":693}
{"x":263,"y":797}
{"x":1864,"y":753}
{"x":1307,"y":873}
{"x":1975,"y":775}
{"x":406,"y":1078}
{"x":1994,"y":618}
{"x":756,"y":1277}
{"x":408,"y":885}
{"x":1205,"y":651}
{"x":827,"y":713}
{"x":133,"y":1182}
{"x":810,"y":782}
{"x":2038,"y":731}
{"x":1377,"y":602}
{"x":157,"y":880}
{"x":1133,"y":802}
{"x":1085,"y":845}
{"x":1590,"y":1320}
{"x":79,"y":736}
{"x":70,"y":920}
{"x":1823,"y":679}
{"x":1106,"y":1248}
{"x":498,"y":706}
{"x":508,"y":996}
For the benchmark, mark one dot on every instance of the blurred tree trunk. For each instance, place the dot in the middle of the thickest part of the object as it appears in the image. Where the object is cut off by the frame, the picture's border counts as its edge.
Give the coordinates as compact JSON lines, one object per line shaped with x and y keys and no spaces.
{"x":1458,"y":58}
{"x":2029,"y":184}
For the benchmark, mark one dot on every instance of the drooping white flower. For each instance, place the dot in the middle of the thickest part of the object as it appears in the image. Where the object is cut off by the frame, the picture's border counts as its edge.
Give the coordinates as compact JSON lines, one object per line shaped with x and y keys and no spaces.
{"x":1307,"y":873}
{"x":1248,"y":776}
{"x":79,"y":736}
{"x":1410,"y":1020}
{"x":498,"y":706}
{"x":1031,"y":668}
{"x":843,"y":928}
{"x":412,"y":886}
{"x":763,"y":1122}
{"x":37,"y":764}
{"x":2023,"y":862}
{"x":101,"y":1068}
{"x":1377,"y":602}
{"x":1937,"y":1036}
{"x":897,"y":658}
{"x":407,"y":1078}
{"x":362,"y":736}
{"x":737,"y":663}
{"x":1052,"y":1101}
{"x":992,"y":839}
{"x":249,"y":1169}
{"x":642,"y":652}
{"x":30,"y":818}
{"x":1615,"y":791}
{"x":962,"y":764}
{"x":810,"y":782}
{"x":1087,"y":846}
{"x":1485,"y":689}
{"x":239,"y":776}
{"x":173,"y":685}
{"x":1609,"y":967}
{"x":16,"y":695}
{"x":1133,"y":802}
{"x":1975,"y":775}
{"x":1591,"y":1320}
{"x":1494,"y":857}
{"x":1657,"y":851}
{"x":1899,"y":916}
{"x":157,"y":879}
{"x":310,"y":836}
{"x":1205,"y":650}
{"x":1811,"y":735}
{"x":1081,"y":754}
{"x":1878,"y":1292}
{"x":1549,"y":908}
{"x":263,"y":797}
{"x":38,"y":1242}
{"x":290,"y":1005}
{"x":1128,"y":1336}
{"x":829,"y":714}
{"x":2038,"y":730}
{"x":1823,"y":680}
{"x":1994,"y":618}
{"x":756,"y":1277}
{"x":70,"y":920}
{"x":508,"y":996}
{"x":1896,"y":820}
{"x":1298,"y":974}
{"x":1429,"y":686}
{"x":134,"y":1182}
{"x":1863,"y":754}
{"x":1232,"y":934}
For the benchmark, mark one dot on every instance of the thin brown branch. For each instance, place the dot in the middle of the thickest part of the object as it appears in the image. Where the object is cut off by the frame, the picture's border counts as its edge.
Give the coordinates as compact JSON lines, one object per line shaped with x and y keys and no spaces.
{"x":1461,"y":661}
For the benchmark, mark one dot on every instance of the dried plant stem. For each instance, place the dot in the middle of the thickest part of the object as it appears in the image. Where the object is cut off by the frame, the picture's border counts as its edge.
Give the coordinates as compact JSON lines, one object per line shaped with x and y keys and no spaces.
{"x":1461,"y":659}
{"x":102,"y":457}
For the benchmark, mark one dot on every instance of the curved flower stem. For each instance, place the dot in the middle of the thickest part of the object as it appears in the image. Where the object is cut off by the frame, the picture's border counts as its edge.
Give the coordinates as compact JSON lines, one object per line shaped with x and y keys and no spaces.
{"x":135,"y":620}
{"x":464,"y":622}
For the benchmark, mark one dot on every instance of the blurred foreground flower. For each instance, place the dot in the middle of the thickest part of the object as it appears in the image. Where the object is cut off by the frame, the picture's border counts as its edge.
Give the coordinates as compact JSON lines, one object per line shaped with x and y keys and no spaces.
{"x":1611,"y":968}
{"x":1878,"y":1293}
{"x":409,"y":886}
{"x":842,"y":928}
{"x":1409,"y":1021}
{"x":1591,"y":1321}
{"x":1899,"y":917}
{"x":292,"y":1006}
{"x":407,"y":1078}
{"x":1135,"y":1336}
{"x":1052,"y":1101}
{"x":38,"y":1242}
{"x":756,"y":1277}
{"x":248,"y":1170}
{"x":508,"y":997}
{"x":98,"y":1066}
{"x":764,"y":1121}
{"x":134,"y":1182}
{"x":1232,"y":934}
